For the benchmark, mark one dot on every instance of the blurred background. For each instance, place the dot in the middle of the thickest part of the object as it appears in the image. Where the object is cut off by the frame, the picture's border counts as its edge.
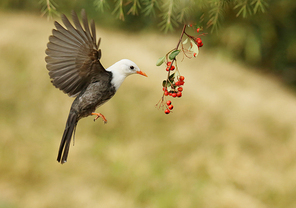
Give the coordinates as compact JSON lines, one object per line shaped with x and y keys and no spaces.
{"x":229,"y":142}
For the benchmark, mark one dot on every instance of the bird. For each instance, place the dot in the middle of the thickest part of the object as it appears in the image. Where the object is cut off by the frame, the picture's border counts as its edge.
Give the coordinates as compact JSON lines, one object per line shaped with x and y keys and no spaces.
{"x":73,"y":64}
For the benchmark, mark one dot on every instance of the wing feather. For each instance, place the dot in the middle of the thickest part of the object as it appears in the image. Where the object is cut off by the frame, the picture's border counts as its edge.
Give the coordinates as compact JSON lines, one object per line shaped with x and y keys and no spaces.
{"x":53,"y":53}
{"x":86,"y":27}
{"x":68,"y":36}
{"x":93,"y":33}
{"x":61,"y":48}
{"x":58,"y":59}
{"x":79,"y":29}
{"x":58,"y":74}
{"x":73,"y":55}
{"x":58,"y":41}
{"x":72,"y":30}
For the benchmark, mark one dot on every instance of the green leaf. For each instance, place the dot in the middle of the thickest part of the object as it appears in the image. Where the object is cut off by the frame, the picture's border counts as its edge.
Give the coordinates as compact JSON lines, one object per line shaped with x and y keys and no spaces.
{"x":172,"y":77}
{"x":174,"y":54}
{"x":160,"y":61}
{"x":165,"y":83}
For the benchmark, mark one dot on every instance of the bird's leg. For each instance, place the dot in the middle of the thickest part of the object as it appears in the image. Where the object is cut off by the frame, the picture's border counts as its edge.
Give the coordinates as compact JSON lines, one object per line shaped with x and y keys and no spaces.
{"x":99,"y":115}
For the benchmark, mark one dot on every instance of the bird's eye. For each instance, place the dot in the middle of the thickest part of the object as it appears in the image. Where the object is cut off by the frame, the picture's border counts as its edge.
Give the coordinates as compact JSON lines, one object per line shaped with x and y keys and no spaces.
{"x":132,"y":67}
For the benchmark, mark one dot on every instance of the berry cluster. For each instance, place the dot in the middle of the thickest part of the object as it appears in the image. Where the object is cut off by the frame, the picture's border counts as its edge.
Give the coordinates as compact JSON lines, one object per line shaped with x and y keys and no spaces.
{"x":172,"y":86}
{"x":169,"y":107}
{"x":199,"y":42}
{"x":174,"y":90}
{"x":195,"y":44}
{"x":169,"y":67}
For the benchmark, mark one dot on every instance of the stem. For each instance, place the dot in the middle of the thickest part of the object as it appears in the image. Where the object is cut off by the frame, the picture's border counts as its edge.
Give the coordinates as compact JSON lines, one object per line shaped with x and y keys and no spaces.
{"x":182,"y":33}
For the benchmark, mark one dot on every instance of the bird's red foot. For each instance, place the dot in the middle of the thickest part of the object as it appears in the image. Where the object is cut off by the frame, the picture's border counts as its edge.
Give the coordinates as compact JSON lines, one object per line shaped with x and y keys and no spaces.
{"x":99,"y":115}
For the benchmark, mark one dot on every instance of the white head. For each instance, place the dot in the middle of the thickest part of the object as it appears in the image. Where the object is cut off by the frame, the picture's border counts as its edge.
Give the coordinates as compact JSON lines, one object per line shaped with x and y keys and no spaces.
{"x":121,"y":70}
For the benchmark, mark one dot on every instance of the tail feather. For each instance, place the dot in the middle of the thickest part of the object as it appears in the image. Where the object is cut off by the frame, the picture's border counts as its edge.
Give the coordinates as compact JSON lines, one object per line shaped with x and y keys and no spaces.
{"x":67,"y":136}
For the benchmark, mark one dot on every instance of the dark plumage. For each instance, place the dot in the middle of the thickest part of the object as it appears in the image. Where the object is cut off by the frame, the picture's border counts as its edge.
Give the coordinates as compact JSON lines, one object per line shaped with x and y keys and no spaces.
{"x":73,"y":62}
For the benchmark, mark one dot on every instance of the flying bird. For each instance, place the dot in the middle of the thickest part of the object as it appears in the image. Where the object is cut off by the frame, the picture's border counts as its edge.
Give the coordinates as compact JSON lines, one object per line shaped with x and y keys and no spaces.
{"x":73,"y":61}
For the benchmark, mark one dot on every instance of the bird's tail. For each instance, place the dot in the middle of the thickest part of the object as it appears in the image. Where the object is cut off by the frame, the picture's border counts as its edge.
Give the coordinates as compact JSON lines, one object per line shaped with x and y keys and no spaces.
{"x":66,"y":139}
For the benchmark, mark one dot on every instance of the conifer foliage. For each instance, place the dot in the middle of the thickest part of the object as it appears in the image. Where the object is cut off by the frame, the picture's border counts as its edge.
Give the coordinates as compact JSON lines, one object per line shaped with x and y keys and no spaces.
{"x":172,"y":13}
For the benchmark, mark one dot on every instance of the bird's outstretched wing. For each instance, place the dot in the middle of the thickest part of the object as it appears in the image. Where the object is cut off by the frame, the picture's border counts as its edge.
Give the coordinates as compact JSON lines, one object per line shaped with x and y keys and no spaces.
{"x":73,"y":55}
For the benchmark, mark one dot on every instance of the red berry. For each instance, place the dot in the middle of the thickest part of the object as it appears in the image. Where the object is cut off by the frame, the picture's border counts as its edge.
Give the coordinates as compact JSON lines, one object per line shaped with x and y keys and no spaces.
{"x":179,"y":94}
{"x":168,"y":68}
{"x":180,"y":89}
{"x":194,"y":54}
{"x":181,"y":82}
{"x":171,"y":107}
{"x":167,"y":111}
{"x":174,"y":94}
{"x":169,"y":102}
{"x":197,"y":30}
{"x":166,"y":93}
{"x":181,"y":78}
{"x":177,"y":83}
{"x":169,"y":65}
{"x":170,"y":94}
{"x":164,"y":88}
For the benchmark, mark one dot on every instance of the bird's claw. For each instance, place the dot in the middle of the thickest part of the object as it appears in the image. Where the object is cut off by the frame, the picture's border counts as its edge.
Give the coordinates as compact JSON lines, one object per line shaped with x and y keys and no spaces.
{"x":99,"y":115}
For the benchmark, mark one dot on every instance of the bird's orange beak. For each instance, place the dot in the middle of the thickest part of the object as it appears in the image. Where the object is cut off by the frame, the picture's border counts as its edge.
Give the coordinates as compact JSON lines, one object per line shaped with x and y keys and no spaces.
{"x":142,"y":73}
